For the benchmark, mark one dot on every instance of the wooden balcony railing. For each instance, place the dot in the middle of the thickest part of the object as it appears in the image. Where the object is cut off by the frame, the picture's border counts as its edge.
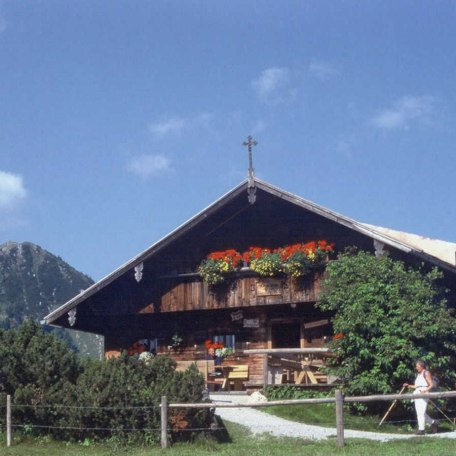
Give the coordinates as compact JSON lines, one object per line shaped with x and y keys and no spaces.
{"x":243,"y":290}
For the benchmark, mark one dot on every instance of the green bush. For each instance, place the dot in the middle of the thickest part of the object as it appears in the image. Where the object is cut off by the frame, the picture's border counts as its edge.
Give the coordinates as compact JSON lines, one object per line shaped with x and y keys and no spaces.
{"x":37,"y":369}
{"x":387,"y":316}
{"x":290,"y":392}
{"x":127,"y":394}
{"x":55,"y":393}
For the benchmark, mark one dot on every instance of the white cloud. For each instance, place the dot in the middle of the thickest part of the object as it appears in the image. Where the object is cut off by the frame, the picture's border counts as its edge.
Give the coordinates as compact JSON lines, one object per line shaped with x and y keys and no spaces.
{"x":405,"y":111}
{"x":146,"y":166}
{"x":175,"y":125}
{"x":270,"y":81}
{"x":172,"y":125}
{"x":273,"y":86}
{"x":322,"y":70}
{"x":12,"y":189}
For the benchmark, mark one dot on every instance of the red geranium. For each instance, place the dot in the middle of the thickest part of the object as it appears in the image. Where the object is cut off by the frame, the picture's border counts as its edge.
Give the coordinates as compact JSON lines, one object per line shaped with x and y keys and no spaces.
{"x":230,"y":256}
{"x":214,"y":345}
{"x":256,"y":252}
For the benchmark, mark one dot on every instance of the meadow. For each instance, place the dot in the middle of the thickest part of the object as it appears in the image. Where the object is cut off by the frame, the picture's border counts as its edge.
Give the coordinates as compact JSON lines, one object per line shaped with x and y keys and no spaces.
{"x":237,"y":441}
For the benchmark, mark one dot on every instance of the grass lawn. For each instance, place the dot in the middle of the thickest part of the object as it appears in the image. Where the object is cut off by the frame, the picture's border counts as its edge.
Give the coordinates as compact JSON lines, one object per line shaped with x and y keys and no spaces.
{"x":240,"y":442}
{"x":324,"y":415}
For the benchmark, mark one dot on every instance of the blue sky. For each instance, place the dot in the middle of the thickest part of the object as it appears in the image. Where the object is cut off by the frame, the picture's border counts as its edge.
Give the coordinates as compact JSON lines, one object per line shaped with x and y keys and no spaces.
{"x":120,"y":120}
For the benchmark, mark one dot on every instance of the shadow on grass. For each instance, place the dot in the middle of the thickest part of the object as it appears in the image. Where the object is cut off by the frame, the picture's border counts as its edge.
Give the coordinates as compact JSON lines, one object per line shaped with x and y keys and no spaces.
{"x":220,"y":434}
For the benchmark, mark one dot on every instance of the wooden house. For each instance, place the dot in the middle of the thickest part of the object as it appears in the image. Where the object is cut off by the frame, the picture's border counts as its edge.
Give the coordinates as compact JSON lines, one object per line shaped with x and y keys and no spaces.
{"x":158,"y":299}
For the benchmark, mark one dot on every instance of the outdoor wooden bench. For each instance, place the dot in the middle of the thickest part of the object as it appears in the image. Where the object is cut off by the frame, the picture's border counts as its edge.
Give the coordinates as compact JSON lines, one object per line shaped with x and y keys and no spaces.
{"x":206,"y":368}
{"x":237,"y":375}
{"x":302,"y":371}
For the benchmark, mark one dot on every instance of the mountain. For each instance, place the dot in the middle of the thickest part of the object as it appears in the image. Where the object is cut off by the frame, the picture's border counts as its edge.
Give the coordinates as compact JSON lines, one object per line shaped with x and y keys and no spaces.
{"x":33,"y":282}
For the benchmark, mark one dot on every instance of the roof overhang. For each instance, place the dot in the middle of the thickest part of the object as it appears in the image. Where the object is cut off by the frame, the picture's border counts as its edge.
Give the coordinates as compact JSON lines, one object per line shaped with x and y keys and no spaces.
{"x":368,"y":230}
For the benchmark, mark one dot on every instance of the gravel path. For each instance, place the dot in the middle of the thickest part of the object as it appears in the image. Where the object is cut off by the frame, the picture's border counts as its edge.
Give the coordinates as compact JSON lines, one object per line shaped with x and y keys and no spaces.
{"x":259,"y":422}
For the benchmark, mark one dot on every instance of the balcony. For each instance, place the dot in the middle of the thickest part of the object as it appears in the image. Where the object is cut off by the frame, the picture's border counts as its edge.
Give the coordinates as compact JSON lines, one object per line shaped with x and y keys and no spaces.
{"x":241,"y":289}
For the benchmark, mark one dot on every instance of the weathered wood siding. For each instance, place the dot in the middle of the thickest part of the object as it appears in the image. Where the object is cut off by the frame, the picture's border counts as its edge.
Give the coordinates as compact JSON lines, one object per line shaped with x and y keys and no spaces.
{"x":195,"y":327}
{"x":241,"y":291}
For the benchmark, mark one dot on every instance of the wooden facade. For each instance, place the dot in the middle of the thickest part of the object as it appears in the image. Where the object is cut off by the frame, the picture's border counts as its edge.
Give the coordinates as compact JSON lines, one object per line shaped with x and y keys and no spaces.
{"x":159,"y":297}
{"x":243,"y":289}
{"x":250,"y":311}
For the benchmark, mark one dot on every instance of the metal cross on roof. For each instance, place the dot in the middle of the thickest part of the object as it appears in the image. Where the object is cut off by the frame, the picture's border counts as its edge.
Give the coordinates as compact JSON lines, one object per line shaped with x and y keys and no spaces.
{"x":251,"y":190}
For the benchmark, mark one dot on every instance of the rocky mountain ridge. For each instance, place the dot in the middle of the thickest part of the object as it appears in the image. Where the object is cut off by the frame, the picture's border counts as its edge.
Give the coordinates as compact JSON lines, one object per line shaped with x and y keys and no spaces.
{"x":33,"y":282}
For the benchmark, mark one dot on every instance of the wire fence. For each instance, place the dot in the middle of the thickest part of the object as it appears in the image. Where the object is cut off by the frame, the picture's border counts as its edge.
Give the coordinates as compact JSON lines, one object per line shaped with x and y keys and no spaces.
{"x":166,"y":427}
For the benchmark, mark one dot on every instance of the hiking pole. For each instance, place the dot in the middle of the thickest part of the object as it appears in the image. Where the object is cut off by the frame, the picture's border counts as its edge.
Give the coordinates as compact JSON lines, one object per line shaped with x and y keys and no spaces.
{"x":391,"y":407}
{"x":443,"y":413}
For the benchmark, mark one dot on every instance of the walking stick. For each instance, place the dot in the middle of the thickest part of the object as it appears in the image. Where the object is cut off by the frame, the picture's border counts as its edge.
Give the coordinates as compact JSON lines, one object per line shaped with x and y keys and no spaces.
{"x":443,"y":413}
{"x":391,"y":407}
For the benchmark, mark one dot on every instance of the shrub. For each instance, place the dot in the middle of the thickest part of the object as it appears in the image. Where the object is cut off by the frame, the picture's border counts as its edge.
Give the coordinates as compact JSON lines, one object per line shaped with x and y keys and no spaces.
{"x":386,"y":316}
{"x":68,"y":399}
{"x":127,"y":393}
{"x":290,"y":392}
{"x":37,"y":369}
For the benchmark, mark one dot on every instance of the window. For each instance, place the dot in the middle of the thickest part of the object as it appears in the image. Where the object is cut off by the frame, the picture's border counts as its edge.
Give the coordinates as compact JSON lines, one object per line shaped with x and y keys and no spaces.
{"x":153,"y":345}
{"x":228,"y":340}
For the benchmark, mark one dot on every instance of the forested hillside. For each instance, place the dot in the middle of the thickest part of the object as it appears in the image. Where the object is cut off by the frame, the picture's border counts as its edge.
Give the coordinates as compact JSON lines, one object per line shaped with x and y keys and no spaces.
{"x":33,"y":282}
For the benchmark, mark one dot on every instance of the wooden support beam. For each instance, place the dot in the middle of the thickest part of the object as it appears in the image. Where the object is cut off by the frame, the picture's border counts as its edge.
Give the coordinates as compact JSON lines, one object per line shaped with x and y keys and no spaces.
{"x":272,"y":351}
{"x":316,"y":324}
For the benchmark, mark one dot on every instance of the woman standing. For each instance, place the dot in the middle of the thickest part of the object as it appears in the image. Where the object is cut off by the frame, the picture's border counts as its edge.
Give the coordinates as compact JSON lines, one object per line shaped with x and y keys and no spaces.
{"x":423,"y":384}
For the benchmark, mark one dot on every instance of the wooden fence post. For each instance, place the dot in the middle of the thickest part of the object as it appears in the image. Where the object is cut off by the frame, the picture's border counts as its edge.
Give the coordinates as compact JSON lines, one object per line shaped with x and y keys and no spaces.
{"x":8,"y":420}
{"x":164,"y":422}
{"x":340,"y":418}
{"x":265,"y":370}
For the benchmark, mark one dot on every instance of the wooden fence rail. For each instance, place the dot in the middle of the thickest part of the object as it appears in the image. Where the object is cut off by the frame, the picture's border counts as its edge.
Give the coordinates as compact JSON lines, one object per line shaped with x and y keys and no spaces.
{"x":322,"y":400}
{"x":338,"y":399}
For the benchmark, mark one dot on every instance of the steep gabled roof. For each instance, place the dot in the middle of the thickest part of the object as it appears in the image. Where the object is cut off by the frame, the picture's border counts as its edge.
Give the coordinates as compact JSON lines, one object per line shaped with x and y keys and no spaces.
{"x":443,"y":250}
{"x":390,"y":238}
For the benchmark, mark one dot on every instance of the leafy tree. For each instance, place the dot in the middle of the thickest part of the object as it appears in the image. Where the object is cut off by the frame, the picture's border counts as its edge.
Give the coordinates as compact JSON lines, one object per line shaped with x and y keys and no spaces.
{"x":387,"y":316}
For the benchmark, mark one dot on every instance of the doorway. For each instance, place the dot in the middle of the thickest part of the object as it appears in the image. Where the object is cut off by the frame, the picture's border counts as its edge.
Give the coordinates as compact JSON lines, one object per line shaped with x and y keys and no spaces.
{"x":286,"y":335}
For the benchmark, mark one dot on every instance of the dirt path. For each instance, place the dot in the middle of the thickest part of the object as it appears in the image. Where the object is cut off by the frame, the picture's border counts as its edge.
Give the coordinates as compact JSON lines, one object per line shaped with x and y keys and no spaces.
{"x":260,"y":422}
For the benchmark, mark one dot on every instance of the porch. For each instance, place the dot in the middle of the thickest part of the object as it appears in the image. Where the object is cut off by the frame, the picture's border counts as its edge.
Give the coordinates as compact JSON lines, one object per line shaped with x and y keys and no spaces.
{"x":301,"y":367}
{"x":293,"y":366}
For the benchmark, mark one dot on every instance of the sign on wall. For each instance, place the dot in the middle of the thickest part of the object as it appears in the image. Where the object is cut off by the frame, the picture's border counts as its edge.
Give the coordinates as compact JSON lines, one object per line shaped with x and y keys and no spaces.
{"x":251,"y":322}
{"x":236,"y":316}
{"x":270,"y":286}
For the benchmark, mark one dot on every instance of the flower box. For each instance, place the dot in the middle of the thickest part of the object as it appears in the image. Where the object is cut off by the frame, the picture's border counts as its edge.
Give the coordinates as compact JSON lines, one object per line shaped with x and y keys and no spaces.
{"x":294,"y":260}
